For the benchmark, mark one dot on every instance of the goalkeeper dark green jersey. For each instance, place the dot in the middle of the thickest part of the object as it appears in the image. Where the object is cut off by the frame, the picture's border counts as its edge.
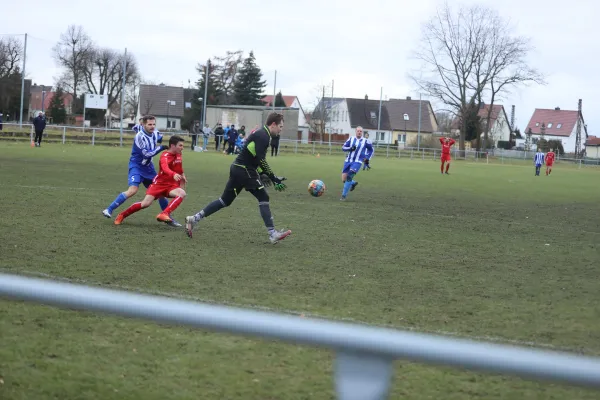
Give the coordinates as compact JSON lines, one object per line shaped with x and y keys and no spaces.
{"x":254,"y":153}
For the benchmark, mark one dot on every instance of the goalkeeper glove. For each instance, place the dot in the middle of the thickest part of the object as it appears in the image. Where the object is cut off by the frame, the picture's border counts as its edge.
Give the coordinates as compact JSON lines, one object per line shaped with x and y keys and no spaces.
{"x":278,"y":181}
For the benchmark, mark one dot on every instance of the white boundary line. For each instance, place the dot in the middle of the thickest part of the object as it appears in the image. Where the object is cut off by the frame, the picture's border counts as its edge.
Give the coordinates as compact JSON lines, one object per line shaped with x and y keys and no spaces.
{"x":303,"y":314}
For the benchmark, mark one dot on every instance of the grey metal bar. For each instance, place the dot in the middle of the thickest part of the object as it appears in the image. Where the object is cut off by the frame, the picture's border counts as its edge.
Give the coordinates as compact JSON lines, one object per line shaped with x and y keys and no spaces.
{"x":346,"y":338}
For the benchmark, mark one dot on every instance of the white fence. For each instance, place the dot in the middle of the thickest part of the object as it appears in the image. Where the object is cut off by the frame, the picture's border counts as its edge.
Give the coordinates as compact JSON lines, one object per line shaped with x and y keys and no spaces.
{"x":104,"y":136}
{"x":364,"y":355}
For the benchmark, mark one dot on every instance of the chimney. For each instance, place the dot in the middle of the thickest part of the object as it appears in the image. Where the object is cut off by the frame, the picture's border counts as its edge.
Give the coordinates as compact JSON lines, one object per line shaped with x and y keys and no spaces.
{"x":556,"y":108}
{"x":481,"y":104}
{"x":408,"y":98}
{"x":366,"y":97}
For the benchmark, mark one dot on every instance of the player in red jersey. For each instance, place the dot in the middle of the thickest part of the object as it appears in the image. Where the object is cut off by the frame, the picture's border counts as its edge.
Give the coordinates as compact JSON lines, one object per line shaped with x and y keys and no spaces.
{"x":446,"y":158}
{"x":167,"y":183}
{"x":549,"y":161}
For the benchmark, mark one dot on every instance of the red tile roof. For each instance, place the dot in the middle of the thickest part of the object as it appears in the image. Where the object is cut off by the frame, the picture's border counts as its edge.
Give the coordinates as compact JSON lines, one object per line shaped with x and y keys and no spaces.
{"x":563,"y":122}
{"x":289,"y":100}
{"x":592,"y":141}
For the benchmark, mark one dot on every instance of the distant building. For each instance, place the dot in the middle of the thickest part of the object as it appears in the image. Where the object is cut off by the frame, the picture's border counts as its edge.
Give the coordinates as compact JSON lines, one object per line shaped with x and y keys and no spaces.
{"x":166,"y":103}
{"x":559,"y":125}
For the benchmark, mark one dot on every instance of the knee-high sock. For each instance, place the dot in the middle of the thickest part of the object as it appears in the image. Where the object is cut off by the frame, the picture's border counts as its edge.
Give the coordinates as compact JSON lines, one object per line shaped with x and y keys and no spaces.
{"x":347,"y":187}
{"x":163,"y":202}
{"x":447,"y":167}
{"x":442,"y":167}
{"x":265,"y":213}
{"x":173,"y":205}
{"x":121,"y":198}
{"x":135,"y":207}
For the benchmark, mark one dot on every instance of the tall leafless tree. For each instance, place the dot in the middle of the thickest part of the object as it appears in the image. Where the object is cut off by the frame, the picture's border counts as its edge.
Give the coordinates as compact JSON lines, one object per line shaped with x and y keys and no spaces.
{"x":72,"y":52}
{"x":468,"y":55}
{"x":11,"y":54}
{"x":103,"y":73}
{"x":321,"y":114}
{"x":225,"y":72}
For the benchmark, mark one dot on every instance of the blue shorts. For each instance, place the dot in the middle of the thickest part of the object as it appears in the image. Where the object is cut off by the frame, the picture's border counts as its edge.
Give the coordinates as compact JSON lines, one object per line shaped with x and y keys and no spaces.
{"x":137,"y":176}
{"x":355,"y":166}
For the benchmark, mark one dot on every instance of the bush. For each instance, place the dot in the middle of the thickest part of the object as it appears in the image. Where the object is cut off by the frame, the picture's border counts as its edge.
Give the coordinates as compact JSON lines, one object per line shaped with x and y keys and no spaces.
{"x":505,"y":144}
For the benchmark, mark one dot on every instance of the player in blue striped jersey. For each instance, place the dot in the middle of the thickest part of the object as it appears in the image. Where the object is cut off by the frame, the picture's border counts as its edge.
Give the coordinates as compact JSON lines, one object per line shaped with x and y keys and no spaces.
{"x":146,"y":145}
{"x":538,"y":160}
{"x":360,"y":150}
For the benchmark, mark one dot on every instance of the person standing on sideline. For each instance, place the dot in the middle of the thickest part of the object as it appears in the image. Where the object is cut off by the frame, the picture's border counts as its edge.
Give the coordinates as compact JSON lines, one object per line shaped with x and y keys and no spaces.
{"x":195,"y":131}
{"x":39,"y":124}
{"x":233,"y":135}
{"x":219,"y":132}
{"x":206,"y":131}
{"x":275,"y":144}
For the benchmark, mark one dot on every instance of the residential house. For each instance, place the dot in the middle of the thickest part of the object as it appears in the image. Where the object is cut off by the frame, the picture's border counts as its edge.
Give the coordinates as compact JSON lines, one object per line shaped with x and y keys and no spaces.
{"x":404,"y":120}
{"x":559,"y":125}
{"x":294,"y":102}
{"x":500,"y":128}
{"x":41,"y":100}
{"x":345,"y":114}
{"x":166,"y":103}
{"x":592,"y":147}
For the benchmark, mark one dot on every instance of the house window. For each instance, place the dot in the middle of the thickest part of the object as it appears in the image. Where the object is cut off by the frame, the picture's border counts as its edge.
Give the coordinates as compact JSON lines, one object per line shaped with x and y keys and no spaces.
{"x":380,"y":136}
{"x":373,"y":115}
{"x":549,"y":124}
{"x":537,"y":124}
{"x":558,"y":126}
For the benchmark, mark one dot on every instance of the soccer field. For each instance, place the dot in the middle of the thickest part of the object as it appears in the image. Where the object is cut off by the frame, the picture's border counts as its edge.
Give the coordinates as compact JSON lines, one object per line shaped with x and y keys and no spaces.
{"x":489,"y":252}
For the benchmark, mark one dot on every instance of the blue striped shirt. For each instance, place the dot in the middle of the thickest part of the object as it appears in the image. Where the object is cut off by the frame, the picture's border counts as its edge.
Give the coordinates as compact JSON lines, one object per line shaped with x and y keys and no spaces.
{"x":364,"y":149}
{"x":145,"y":146}
{"x":538,"y":159}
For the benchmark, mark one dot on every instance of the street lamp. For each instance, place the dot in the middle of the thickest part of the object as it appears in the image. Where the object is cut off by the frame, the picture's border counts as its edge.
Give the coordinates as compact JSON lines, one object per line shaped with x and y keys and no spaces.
{"x":201,"y":113}
{"x":405,"y":120}
{"x":169,"y":104}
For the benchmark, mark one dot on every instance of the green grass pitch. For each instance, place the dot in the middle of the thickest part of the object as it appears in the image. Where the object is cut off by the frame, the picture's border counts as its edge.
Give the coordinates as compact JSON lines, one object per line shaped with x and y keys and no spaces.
{"x":489,"y":252}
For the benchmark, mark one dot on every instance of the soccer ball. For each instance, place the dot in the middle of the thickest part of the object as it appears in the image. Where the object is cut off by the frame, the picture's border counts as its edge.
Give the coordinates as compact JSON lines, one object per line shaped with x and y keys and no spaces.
{"x":316,"y":188}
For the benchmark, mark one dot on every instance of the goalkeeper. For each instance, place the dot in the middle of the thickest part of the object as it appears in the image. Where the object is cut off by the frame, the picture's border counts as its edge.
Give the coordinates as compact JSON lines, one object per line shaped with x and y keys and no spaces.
{"x":250,"y":171}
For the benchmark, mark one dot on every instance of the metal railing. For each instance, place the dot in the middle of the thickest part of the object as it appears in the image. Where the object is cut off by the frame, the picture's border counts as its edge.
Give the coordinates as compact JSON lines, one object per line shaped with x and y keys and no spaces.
{"x":364,"y":355}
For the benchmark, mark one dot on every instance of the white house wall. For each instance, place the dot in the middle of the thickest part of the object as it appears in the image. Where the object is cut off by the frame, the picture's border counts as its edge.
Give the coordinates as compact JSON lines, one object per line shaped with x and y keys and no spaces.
{"x":339,"y":120}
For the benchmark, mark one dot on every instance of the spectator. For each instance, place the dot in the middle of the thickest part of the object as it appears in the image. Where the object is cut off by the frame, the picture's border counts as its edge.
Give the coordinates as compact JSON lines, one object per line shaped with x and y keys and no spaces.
{"x":219,"y":132}
{"x":275,"y":145}
{"x":233,"y":135}
{"x":40,"y":124}
{"x":239,"y":143}
{"x":195,"y":132}
{"x":206,"y":132}
{"x":242,"y":131}
{"x":0,"y":121}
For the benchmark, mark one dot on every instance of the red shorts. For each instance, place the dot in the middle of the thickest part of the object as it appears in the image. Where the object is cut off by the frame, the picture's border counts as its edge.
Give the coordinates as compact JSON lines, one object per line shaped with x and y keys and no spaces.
{"x":549,"y":164}
{"x":161,"y":189}
{"x":446,"y":158}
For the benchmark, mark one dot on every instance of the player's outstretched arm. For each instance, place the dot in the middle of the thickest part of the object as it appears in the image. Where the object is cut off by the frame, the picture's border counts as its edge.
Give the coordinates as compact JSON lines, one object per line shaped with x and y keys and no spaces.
{"x":144,"y":148}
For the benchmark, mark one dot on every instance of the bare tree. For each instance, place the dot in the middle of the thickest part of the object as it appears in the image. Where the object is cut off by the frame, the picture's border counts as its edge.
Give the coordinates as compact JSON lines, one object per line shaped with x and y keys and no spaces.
{"x":468,"y":55}
{"x":321,"y":113}
{"x":225,"y":73}
{"x":444,"y":120}
{"x":11,"y":54}
{"x":72,"y":52}
{"x":103,"y":73}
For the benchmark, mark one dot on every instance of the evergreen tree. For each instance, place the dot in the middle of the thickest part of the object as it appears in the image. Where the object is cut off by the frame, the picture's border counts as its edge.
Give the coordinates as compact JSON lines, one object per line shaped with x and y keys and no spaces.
{"x":249,"y":85}
{"x":56,"y":108}
{"x":279,"y":102}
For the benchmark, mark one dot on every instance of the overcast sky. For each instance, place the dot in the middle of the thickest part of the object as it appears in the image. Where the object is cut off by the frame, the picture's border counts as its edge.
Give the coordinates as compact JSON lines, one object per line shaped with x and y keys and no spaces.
{"x":361,"y":45}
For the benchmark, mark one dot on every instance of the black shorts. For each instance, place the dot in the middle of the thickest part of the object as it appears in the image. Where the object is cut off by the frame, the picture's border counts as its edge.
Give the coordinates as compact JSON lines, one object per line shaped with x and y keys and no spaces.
{"x":243,"y":178}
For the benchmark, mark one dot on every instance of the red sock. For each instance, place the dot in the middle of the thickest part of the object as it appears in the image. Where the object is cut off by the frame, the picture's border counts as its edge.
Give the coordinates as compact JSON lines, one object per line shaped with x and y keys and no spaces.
{"x":442,"y":167}
{"x":135,"y":207}
{"x":173,"y":205}
{"x":447,"y":167}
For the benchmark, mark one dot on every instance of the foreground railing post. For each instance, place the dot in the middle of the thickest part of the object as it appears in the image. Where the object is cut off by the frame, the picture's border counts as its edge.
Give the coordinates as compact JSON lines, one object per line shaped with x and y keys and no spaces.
{"x":362,"y":376}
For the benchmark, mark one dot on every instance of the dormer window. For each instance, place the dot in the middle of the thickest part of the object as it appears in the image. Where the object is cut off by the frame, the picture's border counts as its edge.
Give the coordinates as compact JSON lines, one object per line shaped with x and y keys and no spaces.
{"x":549,"y":124}
{"x":373,"y":115}
{"x":558,"y":126}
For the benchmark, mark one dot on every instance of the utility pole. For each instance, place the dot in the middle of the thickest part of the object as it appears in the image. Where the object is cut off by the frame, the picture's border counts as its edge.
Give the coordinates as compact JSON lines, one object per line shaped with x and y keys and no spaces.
{"x":23,"y":82}
{"x":122,"y":94}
